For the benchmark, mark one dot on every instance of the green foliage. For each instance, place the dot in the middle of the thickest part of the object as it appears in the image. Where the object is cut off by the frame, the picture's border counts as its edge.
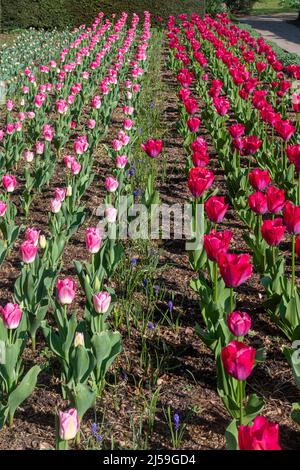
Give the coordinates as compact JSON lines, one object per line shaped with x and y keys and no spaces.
{"x":240,"y":6}
{"x":61,"y":13}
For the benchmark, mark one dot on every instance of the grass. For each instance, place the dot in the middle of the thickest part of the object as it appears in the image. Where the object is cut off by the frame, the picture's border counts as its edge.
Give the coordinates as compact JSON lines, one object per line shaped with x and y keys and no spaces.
{"x":267,"y":7}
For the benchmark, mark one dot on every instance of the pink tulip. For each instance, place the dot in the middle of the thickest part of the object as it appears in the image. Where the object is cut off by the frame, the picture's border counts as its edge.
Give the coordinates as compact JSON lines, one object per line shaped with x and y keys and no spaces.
{"x":61,"y":106}
{"x":39,"y":148}
{"x":239,"y":323}
{"x":3,"y":208}
{"x":121,"y":161}
{"x":55,"y":205}
{"x":28,"y":251}
{"x":9,"y":183}
{"x":93,"y":239}
{"x":11,"y":315}
{"x":75,"y":167}
{"x":111,"y":214}
{"x":32,"y":235}
{"x":152,"y":147}
{"x":66,"y":290}
{"x":101,"y":302}
{"x":28,"y":156}
{"x":111,"y":184}
{"x":60,"y":194}
{"x":68,"y":424}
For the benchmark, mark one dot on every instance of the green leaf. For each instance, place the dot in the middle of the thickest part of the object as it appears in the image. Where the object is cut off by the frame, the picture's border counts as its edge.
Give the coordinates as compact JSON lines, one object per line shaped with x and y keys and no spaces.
{"x":24,"y":389}
{"x":231,"y":435}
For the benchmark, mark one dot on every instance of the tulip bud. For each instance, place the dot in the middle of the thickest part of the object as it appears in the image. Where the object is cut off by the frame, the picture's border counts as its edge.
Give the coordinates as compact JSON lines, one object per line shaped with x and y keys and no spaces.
{"x":68,"y":424}
{"x":42,"y":242}
{"x":101,"y":302}
{"x":69,"y":191}
{"x":79,"y":339}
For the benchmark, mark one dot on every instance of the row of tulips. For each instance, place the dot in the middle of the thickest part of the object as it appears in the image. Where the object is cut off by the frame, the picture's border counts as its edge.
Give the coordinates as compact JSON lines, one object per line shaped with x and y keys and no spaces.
{"x":235,"y":360}
{"x":85,"y":349}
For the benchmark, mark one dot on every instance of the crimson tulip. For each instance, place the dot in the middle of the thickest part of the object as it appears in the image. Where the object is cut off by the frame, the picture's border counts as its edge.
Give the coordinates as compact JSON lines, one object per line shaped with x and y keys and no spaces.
{"x":216,"y":208}
{"x":273,"y":231}
{"x":239,"y":323}
{"x":238,"y":359}
{"x":261,"y":435}
{"x":200,"y":179}
{"x":235,"y":269}
{"x":258,"y":203}
{"x":293,"y":154}
{"x":259,"y":179}
{"x":216,"y":242}
{"x":292,"y":218}
{"x":275,"y":199}
{"x":152,"y":147}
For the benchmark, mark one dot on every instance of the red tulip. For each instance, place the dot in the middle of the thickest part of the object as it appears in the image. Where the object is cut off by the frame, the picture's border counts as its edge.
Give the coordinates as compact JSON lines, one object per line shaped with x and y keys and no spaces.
{"x":152,"y":147}
{"x":262,"y":435}
{"x":239,"y":323}
{"x":259,"y":179}
{"x":238,"y":359}
{"x":191,"y":105}
{"x":258,"y":203}
{"x":293,"y":154}
{"x":292,"y":218}
{"x":200,"y":179}
{"x":222,"y":105}
{"x":236,"y":130}
{"x":200,"y":158}
{"x":261,"y":66}
{"x":199,"y":145}
{"x":216,"y":242}
{"x":273,"y":231}
{"x":215,"y":209}
{"x":193,"y":124}
{"x":275,"y":199}
{"x":234,"y":269}
{"x":285,"y":129}
{"x":251,"y":144}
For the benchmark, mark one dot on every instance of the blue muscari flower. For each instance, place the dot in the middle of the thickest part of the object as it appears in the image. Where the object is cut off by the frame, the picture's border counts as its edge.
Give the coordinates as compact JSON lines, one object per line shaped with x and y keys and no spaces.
{"x":156,"y":288}
{"x":140,"y":131}
{"x":134,"y":261}
{"x":99,"y":438}
{"x":94,"y":428}
{"x":145,"y":283}
{"x":150,"y":325}
{"x":170,"y":305}
{"x":131,"y":171}
{"x":176,"y":419}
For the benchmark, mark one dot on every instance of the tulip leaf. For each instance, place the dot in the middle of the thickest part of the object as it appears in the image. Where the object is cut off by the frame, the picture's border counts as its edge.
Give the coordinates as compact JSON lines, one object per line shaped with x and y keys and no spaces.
{"x":296,"y":412}
{"x":231,"y":435}
{"x":253,"y":408}
{"x":24,"y":389}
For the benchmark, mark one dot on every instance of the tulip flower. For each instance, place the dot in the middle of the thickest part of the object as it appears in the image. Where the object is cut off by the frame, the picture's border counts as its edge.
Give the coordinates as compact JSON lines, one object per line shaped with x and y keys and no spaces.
{"x":66,"y":290}
{"x":258,"y":203}
{"x":261,"y":435}
{"x":216,"y":208}
{"x":272,"y":231}
{"x":285,"y":129}
{"x":121,"y":161}
{"x":236,"y":130}
{"x":152,"y":147}
{"x":191,"y":106}
{"x":259,"y":179}
{"x":68,"y":424}
{"x":101,"y":302}
{"x":11,"y":315}
{"x":239,"y":323}
{"x":111,"y":214}
{"x":55,"y":205}
{"x":235,"y":270}
{"x":111,"y":184}
{"x":200,"y":159}
{"x":275,"y":199}
{"x":93,"y":240}
{"x":238,"y":360}
{"x":3,"y":208}
{"x":79,"y":339}
{"x":9,"y":183}
{"x":59,"y":194}
{"x":200,"y":179}
{"x":216,"y":242}
{"x":193,"y":124}
{"x":293,"y":154}
{"x":28,"y":251}
{"x":292,"y":218}
{"x":32,"y":235}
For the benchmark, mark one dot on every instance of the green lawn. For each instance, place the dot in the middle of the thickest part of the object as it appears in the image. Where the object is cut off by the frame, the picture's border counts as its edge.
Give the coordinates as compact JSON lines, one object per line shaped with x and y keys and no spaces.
{"x":265,"y":7}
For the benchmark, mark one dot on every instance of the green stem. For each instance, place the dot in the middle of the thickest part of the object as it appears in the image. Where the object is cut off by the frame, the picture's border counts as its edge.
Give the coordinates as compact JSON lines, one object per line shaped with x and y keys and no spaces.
{"x":215,"y":282}
{"x":10,"y":419}
{"x":293,"y":264}
{"x":241,"y":396}
{"x":231,"y":300}
{"x":33,"y":343}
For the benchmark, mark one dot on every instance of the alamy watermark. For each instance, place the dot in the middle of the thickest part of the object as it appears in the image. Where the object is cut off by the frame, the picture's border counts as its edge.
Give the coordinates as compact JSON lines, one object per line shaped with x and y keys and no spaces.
{"x":162,"y":221}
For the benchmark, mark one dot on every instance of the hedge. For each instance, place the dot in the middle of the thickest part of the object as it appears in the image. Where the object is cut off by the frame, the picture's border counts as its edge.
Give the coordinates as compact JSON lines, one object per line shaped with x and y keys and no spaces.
{"x":49,"y":14}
